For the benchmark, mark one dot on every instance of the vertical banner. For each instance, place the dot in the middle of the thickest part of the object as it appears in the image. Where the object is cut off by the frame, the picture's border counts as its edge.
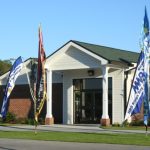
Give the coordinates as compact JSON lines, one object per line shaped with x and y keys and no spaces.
{"x":139,"y":92}
{"x":146,"y":48}
{"x":14,"y":73}
{"x":41,"y":79}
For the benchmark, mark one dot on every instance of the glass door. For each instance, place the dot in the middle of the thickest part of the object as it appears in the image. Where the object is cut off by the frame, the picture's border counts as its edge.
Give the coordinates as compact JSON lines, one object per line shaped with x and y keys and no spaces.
{"x":87,"y":101}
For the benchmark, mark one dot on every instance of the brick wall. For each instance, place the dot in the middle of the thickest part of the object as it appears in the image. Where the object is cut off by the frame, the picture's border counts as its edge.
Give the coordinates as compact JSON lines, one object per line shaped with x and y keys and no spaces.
{"x":20,"y":102}
{"x":138,"y":116}
{"x":20,"y":107}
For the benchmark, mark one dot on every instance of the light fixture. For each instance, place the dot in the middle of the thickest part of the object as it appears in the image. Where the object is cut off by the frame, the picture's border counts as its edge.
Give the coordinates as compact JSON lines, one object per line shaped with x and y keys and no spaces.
{"x":91,"y":72}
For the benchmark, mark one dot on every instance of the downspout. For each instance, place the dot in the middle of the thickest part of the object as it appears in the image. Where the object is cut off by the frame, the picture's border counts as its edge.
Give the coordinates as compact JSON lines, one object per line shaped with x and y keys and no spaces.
{"x":125,"y":91}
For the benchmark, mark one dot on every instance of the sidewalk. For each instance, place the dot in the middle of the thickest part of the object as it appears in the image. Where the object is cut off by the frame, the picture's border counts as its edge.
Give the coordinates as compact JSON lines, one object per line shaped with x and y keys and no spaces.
{"x":68,"y":128}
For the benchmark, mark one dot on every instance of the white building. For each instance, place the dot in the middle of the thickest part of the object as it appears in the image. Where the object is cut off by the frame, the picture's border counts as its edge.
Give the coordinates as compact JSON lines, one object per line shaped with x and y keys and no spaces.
{"x":88,"y":83}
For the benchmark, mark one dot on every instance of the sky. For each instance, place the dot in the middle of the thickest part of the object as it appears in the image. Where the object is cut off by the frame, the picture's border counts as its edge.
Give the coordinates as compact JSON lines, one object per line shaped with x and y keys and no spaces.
{"x":111,"y":23}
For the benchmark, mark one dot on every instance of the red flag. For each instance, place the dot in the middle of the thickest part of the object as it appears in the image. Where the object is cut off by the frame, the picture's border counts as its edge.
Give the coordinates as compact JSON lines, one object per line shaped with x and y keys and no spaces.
{"x":41,"y":81}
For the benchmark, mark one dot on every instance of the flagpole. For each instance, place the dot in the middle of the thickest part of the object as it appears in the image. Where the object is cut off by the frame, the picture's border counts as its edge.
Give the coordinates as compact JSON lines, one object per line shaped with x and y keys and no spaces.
{"x":146,"y":130}
{"x":146,"y":45}
{"x":35,"y":114}
{"x":32,"y":92}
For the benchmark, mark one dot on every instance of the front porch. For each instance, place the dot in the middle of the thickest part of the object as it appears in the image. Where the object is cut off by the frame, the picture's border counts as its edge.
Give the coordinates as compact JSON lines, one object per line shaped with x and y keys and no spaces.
{"x":93,"y":100}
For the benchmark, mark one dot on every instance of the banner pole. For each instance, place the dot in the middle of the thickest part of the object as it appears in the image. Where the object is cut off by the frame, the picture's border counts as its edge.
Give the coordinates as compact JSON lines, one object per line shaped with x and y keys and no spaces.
{"x":146,"y":130}
{"x":35,"y":115}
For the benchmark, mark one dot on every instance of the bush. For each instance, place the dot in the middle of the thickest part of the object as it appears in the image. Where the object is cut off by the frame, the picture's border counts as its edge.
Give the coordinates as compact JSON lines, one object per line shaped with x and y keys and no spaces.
{"x":30,"y":121}
{"x":116,"y":124}
{"x":10,"y":118}
{"x":126,"y":123}
{"x":1,"y":120}
{"x":41,"y":121}
{"x":137,"y":123}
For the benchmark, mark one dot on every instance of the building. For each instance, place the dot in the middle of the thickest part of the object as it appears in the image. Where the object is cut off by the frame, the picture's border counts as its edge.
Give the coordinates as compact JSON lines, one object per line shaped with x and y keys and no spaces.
{"x":87,"y":83}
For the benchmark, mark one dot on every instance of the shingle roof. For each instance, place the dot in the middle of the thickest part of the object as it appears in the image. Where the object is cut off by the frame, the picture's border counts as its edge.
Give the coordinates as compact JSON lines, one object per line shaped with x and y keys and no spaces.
{"x":110,"y":54}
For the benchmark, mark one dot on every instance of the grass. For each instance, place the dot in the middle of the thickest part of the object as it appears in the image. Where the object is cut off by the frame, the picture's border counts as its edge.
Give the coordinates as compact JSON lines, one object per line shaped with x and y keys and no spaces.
{"x":142,"y":128}
{"x":125,"y":139}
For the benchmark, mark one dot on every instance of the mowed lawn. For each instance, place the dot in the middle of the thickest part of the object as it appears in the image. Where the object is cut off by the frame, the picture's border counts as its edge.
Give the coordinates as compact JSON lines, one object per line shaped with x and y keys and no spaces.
{"x":129,"y":139}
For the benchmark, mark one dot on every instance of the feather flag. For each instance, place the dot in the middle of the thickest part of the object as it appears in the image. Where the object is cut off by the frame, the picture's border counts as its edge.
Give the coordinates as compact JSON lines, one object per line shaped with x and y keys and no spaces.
{"x":140,"y":85}
{"x":146,"y":49}
{"x":41,"y":81}
{"x":14,"y":73}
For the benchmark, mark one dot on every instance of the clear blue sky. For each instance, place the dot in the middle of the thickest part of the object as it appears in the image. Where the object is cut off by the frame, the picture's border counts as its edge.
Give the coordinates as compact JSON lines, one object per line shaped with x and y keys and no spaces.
{"x":113,"y":23}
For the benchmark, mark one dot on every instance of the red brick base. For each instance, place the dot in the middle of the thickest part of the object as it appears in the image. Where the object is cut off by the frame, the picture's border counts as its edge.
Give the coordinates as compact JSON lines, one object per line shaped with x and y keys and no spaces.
{"x":105,"y":122}
{"x":49,"y":121}
{"x":20,"y":107}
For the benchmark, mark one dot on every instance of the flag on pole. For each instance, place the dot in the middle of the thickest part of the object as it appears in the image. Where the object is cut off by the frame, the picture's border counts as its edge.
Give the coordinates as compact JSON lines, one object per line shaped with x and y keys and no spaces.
{"x":146,"y":49}
{"x":14,"y":73}
{"x":41,"y":79}
{"x":140,"y":85}
{"x":137,"y":93}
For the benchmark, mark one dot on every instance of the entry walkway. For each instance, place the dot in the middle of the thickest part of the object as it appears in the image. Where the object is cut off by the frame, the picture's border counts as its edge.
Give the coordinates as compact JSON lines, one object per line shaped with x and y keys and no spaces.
{"x":68,"y":128}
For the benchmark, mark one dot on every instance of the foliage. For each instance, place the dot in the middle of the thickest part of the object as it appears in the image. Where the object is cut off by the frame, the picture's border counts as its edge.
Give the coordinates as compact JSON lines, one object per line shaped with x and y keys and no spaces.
{"x":116,"y":124}
{"x":138,"y":123}
{"x":10,"y":118}
{"x":5,"y":66}
{"x":30,"y":121}
{"x":41,"y":121}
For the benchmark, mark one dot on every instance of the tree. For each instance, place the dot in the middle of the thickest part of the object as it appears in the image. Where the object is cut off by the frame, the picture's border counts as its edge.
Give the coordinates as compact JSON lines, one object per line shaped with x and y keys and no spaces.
{"x":5,"y":65}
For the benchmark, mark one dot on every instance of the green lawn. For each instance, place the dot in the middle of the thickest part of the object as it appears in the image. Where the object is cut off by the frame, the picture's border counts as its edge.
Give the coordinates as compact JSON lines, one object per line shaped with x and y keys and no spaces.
{"x":126,"y":128}
{"x":130,"y":139}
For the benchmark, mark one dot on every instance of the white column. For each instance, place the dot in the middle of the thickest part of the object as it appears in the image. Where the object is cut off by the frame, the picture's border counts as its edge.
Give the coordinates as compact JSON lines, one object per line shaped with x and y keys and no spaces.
{"x":49,"y":94}
{"x":105,"y":92}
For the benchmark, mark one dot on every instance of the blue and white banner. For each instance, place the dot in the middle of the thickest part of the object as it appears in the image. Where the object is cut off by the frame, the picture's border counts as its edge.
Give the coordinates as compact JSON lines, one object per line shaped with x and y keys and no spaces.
{"x":140,"y":86}
{"x":14,"y":73}
{"x":146,"y":49}
{"x":137,"y":93}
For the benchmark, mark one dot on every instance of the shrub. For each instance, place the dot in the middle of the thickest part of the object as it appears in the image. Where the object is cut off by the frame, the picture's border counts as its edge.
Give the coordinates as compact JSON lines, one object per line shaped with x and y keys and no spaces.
{"x":10,"y":118}
{"x":116,"y":124}
{"x":125,"y":123}
{"x":30,"y":121}
{"x":137,"y":123}
{"x":41,"y":121}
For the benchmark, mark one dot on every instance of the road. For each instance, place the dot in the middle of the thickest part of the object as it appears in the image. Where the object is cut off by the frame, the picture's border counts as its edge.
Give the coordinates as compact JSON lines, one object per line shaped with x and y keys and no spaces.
{"x":15,"y":144}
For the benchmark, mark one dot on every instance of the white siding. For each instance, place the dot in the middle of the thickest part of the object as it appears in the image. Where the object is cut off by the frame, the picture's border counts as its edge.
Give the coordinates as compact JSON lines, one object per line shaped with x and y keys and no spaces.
{"x":73,"y":59}
{"x":118,"y":96}
{"x":129,"y":82}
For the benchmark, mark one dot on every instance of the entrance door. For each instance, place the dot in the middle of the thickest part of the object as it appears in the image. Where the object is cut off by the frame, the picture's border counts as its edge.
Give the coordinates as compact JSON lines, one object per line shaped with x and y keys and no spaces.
{"x":87,"y":101}
{"x":92,"y":106}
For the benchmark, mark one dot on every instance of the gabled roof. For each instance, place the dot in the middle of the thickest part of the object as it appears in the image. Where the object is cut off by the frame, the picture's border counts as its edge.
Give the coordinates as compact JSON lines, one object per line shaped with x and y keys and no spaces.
{"x":110,"y":54}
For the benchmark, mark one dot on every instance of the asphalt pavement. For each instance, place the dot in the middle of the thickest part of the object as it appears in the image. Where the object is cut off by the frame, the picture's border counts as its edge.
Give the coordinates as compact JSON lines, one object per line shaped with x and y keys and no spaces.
{"x":18,"y":144}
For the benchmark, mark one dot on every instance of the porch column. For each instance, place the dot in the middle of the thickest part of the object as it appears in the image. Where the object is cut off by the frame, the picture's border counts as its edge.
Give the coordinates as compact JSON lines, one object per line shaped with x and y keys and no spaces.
{"x":49,"y":118}
{"x":105,"y":121}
